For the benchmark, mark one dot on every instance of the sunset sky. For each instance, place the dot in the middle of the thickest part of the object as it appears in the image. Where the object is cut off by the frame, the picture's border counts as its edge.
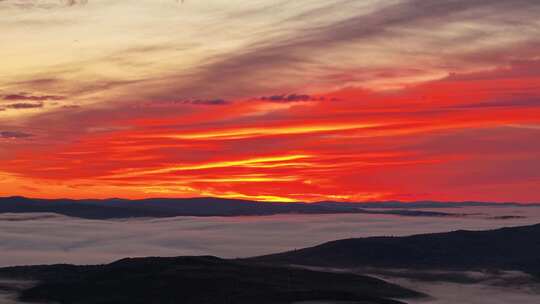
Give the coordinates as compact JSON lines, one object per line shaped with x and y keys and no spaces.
{"x":272,"y":100}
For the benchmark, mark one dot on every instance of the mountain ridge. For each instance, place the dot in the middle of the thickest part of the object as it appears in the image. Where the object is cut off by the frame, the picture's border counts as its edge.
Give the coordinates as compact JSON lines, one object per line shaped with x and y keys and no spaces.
{"x":377,"y":204}
{"x":208,"y":206}
{"x":509,"y":248}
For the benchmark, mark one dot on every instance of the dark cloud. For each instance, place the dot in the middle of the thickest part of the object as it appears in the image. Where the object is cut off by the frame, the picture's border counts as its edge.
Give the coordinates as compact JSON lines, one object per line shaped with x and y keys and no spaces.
{"x":71,"y":107}
{"x":526,"y":103}
{"x":24,"y":105}
{"x":24,"y":96}
{"x":14,"y":134}
{"x":291,"y":98}
{"x":203,"y":102}
{"x":208,"y":102}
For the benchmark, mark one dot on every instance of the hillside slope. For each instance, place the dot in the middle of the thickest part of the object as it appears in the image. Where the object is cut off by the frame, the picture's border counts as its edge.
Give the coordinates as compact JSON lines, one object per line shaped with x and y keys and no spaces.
{"x":516,"y":248}
{"x":197,"y":280}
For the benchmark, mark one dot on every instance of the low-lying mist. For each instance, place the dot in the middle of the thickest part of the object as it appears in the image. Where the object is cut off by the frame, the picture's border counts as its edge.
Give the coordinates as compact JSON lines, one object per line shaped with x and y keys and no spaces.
{"x":9,"y":289}
{"x":497,"y":290}
{"x":50,"y":238}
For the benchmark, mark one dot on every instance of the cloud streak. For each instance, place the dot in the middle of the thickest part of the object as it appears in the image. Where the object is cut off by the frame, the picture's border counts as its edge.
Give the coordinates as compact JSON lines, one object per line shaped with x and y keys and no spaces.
{"x":43,"y":4}
{"x":17,"y":97}
{"x":14,"y":134}
{"x":24,"y":106}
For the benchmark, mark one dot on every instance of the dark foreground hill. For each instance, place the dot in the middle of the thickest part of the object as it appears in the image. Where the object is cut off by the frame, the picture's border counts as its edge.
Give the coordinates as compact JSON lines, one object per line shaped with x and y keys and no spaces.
{"x":120,"y":208}
{"x":197,"y":280}
{"x":515,"y":248}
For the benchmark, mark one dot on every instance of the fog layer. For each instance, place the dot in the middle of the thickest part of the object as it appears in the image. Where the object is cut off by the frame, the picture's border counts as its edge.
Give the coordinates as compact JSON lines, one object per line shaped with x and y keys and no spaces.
{"x":49,"y":238}
{"x":480,"y":293}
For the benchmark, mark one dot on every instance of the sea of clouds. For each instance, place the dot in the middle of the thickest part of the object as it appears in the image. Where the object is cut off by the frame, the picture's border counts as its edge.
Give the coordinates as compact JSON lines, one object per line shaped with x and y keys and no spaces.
{"x":487,"y":292}
{"x":50,"y":238}
{"x":27,"y":239}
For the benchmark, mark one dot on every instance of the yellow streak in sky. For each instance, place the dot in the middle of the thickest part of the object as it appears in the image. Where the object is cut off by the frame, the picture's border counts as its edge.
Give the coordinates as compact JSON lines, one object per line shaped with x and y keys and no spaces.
{"x":261,"y":198}
{"x":245,"y":179}
{"x":250,"y":162}
{"x":280,"y":165}
{"x":267,"y":131}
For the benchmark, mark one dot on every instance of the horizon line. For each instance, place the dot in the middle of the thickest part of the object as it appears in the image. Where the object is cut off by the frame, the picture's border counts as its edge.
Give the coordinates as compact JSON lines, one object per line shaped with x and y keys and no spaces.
{"x":282,"y":202}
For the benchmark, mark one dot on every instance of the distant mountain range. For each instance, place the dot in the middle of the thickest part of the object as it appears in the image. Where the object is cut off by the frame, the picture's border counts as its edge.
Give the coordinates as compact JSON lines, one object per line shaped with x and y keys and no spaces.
{"x":426,"y":204}
{"x":516,"y":248}
{"x":164,"y":207}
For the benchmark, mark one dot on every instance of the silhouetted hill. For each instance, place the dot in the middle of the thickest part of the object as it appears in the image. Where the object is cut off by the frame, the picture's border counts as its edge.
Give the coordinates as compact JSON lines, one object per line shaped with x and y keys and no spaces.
{"x":82,"y":209}
{"x":197,"y":280}
{"x":515,"y":248}
{"x":119,"y":208}
{"x":423,"y":204}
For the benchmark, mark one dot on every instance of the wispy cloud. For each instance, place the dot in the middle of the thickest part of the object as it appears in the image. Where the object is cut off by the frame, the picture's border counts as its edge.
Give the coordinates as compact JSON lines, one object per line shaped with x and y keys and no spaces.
{"x":14,"y":134}
{"x":24,"y":105}
{"x":291,"y":98}
{"x":43,"y":4}
{"x":24,"y":96}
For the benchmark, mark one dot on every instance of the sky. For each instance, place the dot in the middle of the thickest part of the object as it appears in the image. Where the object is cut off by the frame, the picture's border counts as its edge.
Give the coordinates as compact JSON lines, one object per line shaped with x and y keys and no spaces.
{"x":271,"y":100}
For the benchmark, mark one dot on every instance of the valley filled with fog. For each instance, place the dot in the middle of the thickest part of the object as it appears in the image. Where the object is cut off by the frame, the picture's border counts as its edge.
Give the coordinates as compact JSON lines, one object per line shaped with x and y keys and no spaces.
{"x":64,"y":239}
